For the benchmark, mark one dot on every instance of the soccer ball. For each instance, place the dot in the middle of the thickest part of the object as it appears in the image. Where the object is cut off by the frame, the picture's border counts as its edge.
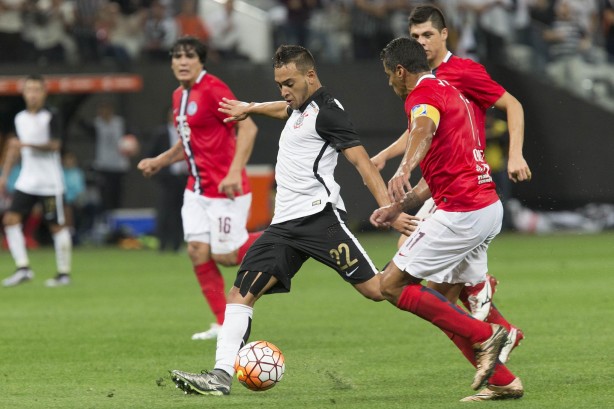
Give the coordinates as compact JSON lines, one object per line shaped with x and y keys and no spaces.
{"x":129,"y":145}
{"x":259,"y":365}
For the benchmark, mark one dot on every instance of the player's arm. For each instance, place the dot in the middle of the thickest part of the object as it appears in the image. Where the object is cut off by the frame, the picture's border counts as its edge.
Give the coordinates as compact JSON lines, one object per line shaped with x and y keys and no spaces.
{"x":397,"y":148}
{"x":371,"y":177}
{"x":10,"y":158}
{"x":232,"y":184}
{"x":517,"y":167}
{"x":423,"y":127}
{"x":357,"y":155}
{"x":55,"y":132}
{"x":151,"y":166}
{"x":239,"y":110}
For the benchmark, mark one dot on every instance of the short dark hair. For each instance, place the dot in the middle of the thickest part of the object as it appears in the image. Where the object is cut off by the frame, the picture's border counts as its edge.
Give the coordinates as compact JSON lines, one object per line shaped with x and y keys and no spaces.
{"x":426,"y":12}
{"x":190,"y":43}
{"x":407,"y":53}
{"x":286,"y":54}
{"x":35,"y":77}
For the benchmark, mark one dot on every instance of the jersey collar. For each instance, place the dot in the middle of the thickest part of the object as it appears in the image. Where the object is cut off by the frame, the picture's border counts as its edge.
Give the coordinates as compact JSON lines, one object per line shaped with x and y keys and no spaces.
{"x":445,"y":60}
{"x":424,"y":77}
{"x":200,"y":76}
{"x":311,"y":98}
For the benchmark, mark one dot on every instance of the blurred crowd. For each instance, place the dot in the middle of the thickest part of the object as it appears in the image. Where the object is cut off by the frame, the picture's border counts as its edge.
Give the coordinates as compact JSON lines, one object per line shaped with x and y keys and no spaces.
{"x":122,"y":31}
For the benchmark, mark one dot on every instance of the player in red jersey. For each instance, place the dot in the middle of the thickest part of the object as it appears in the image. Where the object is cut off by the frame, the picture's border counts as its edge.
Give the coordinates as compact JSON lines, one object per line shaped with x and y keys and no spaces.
{"x":449,"y":248}
{"x":217,"y":196}
{"x":427,"y":25}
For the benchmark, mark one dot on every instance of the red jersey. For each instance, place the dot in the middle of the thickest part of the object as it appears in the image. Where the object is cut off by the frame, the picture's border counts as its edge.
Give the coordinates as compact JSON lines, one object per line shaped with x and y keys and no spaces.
{"x":454,"y":166}
{"x":208,"y":142}
{"x":472,"y":80}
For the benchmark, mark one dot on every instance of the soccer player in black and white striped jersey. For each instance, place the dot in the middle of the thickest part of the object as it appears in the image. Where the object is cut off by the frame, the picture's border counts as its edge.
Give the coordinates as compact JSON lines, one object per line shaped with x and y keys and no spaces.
{"x":40,"y":181}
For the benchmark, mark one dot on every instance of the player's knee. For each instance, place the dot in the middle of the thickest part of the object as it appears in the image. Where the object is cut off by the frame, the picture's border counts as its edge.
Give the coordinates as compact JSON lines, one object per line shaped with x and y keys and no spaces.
{"x":387,"y":287}
{"x":227,"y":260}
{"x":371,"y":289}
{"x":198,"y":252}
{"x":11,"y":218}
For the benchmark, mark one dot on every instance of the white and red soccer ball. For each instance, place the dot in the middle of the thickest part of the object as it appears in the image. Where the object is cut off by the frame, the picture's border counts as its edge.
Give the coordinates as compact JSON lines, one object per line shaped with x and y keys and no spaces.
{"x":259,"y":365}
{"x":129,"y":145}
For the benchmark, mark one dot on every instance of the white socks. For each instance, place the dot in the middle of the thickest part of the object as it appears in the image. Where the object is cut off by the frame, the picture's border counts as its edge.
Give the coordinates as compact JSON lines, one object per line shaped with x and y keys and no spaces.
{"x":237,"y":321}
{"x":17,"y":245}
{"x":63,"y":250}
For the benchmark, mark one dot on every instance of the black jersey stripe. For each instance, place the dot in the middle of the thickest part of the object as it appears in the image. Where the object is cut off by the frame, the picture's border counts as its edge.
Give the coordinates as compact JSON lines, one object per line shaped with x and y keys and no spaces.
{"x":315,"y":167}
{"x":182,"y":125}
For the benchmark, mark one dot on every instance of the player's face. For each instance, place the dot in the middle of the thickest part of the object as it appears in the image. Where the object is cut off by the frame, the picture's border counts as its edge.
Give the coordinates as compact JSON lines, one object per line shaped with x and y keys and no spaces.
{"x":396,"y":81}
{"x":186,"y":66}
{"x":293,"y":85}
{"x":433,"y":41}
{"x":34,"y":94}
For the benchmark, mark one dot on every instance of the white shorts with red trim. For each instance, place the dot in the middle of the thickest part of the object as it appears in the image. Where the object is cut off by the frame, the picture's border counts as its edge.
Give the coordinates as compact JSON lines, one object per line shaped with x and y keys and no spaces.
{"x":220,"y":222}
{"x":450,"y":247}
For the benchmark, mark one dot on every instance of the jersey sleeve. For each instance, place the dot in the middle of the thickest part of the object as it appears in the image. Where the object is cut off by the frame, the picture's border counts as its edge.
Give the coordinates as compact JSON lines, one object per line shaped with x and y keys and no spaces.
{"x":478,"y":86}
{"x":333,"y":125}
{"x":219,"y":91}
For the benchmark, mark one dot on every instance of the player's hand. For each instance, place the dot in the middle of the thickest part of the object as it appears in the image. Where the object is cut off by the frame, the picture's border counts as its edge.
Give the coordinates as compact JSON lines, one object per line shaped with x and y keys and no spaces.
{"x":385,"y":216}
{"x":231,"y":185}
{"x":518,"y":169}
{"x":399,"y":185}
{"x":406,"y":224}
{"x":379,"y":161}
{"x":148,"y":167}
{"x":236,"y":110}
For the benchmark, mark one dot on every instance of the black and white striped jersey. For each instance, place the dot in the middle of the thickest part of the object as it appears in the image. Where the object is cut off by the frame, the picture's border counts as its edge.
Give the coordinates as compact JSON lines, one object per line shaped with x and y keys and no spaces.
{"x":308,"y":148}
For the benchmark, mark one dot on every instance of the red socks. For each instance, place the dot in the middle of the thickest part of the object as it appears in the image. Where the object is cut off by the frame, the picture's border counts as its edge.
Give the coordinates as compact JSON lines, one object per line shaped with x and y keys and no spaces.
{"x":212,"y":286}
{"x":435,"y":308}
{"x":500,"y":377}
{"x":251,"y":238}
{"x":495,"y":317}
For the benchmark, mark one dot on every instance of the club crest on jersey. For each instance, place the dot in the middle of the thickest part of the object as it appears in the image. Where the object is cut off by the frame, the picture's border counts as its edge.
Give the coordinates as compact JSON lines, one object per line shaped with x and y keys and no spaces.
{"x":192,"y":108}
{"x":418,"y":110}
{"x":299,"y":121}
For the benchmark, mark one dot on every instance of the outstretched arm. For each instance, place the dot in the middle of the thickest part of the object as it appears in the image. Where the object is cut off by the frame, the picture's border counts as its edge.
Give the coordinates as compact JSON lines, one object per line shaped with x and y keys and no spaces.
{"x":397,"y":148}
{"x":239,"y":111}
{"x":151,"y":166}
{"x":517,"y":167}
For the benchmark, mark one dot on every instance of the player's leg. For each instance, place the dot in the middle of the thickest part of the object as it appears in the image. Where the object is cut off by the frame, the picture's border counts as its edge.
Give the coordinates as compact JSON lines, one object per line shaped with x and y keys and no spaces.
{"x":230,"y":239}
{"x":233,"y":335}
{"x":197,"y":233}
{"x":438,"y":252}
{"x":21,"y":205}
{"x":53,"y":214}
{"x":326,"y":237}
{"x":273,"y":254}
{"x":503,"y":384}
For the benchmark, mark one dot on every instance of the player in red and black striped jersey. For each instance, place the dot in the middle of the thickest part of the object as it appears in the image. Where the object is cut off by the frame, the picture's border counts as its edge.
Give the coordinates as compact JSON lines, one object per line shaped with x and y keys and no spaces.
{"x":427,"y":25}
{"x":217,"y":196}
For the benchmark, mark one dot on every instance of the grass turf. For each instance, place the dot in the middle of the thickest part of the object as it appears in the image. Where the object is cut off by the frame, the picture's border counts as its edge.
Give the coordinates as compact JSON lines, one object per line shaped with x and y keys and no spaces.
{"x":109,"y":339}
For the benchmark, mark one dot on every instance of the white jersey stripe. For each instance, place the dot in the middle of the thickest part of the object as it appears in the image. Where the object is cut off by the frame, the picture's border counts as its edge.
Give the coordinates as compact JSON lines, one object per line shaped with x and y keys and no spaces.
{"x":355,"y":240}
{"x":184,"y":132}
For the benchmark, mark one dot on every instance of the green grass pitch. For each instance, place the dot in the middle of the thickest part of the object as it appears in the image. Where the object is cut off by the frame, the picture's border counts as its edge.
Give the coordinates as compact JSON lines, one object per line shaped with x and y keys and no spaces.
{"x":109,"y":339}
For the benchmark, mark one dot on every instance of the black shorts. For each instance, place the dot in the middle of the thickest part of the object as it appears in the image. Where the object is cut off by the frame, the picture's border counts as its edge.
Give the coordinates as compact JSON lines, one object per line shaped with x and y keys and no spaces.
{"x":53,"y":210}
{"x":283,"y":248}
